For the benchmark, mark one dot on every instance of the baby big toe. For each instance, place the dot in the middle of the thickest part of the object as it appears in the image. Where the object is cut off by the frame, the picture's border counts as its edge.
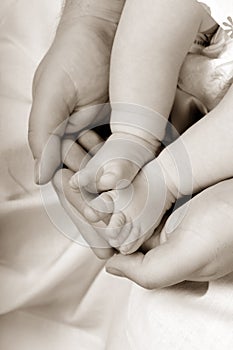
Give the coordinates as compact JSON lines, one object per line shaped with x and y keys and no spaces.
{"x":100,"y":208}
{"x":108,"y":181}
{"x":81,"y":179}
{"x":117,"y":174}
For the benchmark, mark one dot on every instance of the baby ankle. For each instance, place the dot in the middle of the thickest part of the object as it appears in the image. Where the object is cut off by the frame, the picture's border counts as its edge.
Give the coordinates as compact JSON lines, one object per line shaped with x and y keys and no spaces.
{"x":139,"y":121}
{"x":133,"y":136}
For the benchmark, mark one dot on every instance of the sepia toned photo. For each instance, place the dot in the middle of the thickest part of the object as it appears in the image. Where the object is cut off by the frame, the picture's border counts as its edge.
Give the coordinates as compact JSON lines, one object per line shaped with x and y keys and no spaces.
{"x":116,"y":175}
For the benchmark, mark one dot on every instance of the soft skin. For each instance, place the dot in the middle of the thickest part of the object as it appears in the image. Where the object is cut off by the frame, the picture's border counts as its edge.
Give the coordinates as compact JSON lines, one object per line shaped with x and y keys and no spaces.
{"x":73,"y":75}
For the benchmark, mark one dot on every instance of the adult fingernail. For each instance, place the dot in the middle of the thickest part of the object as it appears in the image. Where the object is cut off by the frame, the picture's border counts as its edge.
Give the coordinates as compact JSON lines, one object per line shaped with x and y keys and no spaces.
{"x":175,"y":219}
{"x":73,"y":182}
{"x":37,"y":172}
{"x":115,"y":272}
{"x":91,"y":215}
{"x":169,"y":227}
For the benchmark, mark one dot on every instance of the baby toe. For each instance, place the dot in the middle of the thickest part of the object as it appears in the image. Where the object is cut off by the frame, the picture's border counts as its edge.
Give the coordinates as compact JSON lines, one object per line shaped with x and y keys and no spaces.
{"x":132,"y":243}
{"x":114,"y":243}
{"x":117,"y":174}
{"x":91,"y":215}
{"x":103,"y":204}
{"x":108,"y":181}
{"x":116,"y":224}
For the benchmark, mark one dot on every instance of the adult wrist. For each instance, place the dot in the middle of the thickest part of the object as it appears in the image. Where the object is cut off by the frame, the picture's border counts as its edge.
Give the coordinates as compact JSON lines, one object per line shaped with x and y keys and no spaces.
{"x":176,"y":165}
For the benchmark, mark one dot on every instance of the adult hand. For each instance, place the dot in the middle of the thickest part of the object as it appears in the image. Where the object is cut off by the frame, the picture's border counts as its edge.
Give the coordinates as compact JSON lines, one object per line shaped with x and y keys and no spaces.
{"x":199,"y":248}
{"x":73,"y":200}
{"x":73,"y":75}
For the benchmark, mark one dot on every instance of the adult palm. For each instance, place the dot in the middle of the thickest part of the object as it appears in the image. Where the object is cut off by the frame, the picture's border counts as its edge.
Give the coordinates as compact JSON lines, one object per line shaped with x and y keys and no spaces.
{"x":72,"y":76}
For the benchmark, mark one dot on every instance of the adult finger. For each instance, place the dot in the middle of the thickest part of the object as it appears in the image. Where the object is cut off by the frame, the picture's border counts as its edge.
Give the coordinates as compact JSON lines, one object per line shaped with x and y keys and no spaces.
{"x":90,"y":141}
{"x":165,"y":265}
{"x":76,"y":155}
{"x":73,"y":155}
{"x":97,"y":244}
{"x":53,"y":101}
{"x":181,"y":252}
{"x":155,"y":239}
{"x":193,"y":246}
{"x":93,"y":115}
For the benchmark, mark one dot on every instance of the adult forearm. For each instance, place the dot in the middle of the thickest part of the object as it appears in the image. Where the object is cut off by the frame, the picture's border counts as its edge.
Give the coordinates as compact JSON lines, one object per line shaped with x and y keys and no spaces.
{"x":204,"y":153}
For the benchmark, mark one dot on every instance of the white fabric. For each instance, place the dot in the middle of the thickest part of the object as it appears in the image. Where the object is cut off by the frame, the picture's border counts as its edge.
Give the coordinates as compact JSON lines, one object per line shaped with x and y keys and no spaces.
{"x":54,"y":294}
{"x":222,"y":12}
{"x":208,"y":74}
{"x":208,"y":78}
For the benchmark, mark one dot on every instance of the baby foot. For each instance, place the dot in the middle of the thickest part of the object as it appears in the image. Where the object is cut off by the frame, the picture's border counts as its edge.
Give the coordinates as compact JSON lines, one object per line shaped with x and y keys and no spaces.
{"x":115,"y":165}
{"x":73,"y":204}
{"x":135,"y":140}
{"x":138,"y":209}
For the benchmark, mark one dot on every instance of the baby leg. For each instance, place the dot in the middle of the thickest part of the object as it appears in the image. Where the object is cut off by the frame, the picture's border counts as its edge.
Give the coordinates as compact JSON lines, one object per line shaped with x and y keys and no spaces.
{"x":208,"y":146}
{"x":136,"y":79}
{"x":201,"y":157}
{"x":143,"y":82}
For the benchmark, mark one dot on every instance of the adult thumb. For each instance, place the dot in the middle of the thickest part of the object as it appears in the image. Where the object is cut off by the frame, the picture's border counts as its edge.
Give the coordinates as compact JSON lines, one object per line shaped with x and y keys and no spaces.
{"x":169,"y":263}
{"x":53,"y":101}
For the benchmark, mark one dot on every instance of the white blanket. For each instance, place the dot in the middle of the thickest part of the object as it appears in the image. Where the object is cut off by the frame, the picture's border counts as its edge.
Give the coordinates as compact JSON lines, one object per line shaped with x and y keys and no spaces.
{"x":54,"y":294}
